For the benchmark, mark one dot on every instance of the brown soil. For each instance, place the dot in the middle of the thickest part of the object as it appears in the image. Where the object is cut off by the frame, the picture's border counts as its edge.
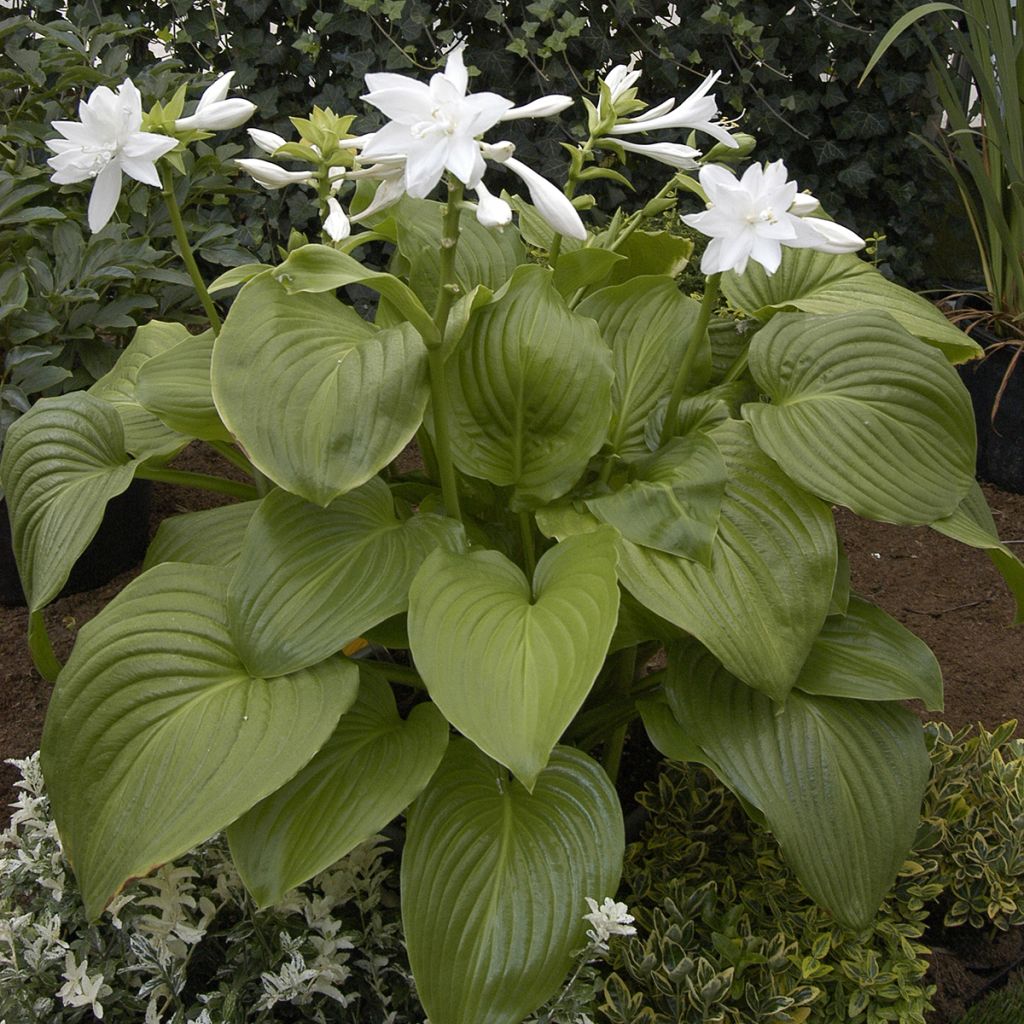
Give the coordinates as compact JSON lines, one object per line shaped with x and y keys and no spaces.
{"x":949,"y":595}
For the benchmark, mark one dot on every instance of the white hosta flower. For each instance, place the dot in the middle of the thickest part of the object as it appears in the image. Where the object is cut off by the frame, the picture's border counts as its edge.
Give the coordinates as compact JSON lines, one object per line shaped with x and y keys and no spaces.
{"x":216,"y":111}
{"x":336,"y":225}
{"x":752,"y":217}
{"x":492,"y":211}
{"x":608,"y":919}
{"x":546,"y":106}
{"x":106,"y":142}
{"x":675,"y":154}
{"x":696,"y":112}
{"x":272,"y":176}
{"x":269,"y":142}
{"x":620,"y":79}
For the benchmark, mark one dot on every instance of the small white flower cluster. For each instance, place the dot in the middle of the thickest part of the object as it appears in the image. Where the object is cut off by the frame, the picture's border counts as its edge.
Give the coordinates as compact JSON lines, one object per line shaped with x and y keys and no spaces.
{"x":606,"y":920}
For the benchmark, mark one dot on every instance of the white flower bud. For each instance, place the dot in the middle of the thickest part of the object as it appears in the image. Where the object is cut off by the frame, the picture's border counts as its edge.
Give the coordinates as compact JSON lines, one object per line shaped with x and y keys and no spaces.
{"x":271,"y":176}
{"x":269,"y":142}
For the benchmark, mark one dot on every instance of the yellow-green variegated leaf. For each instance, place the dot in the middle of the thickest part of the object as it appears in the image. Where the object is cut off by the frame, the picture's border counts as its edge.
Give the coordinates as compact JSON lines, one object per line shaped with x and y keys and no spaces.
{"x":62,"y":462}
{"x":816,"y":282}
{"x":839,"y":781}
{"x":863,"y":414}
{"x":972,"y":523}
{"x":867,"y":655}
{"x":145,"y":434}
{"x":319,"y":399}
{"x":495,"y":881}
{"x":212,"y":536}
{"x":530,"y":387}
{"x":157,"y":737}
{"x":507,"y":662}
{"x":372,"y":767}
{"x":175,"y":386}
{"x":648,"y":324}
{"x":311,"y":579}
{"x":762,"y":600}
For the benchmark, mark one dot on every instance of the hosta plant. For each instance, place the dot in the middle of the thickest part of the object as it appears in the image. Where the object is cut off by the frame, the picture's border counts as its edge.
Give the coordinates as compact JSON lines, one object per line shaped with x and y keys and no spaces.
{"x":609,"y":468}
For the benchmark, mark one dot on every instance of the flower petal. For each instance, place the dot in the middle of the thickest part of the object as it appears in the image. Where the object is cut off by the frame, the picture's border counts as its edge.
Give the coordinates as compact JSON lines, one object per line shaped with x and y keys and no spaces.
{"x":408,"y":105}
{"x":551,"y":202}
{"x":455,"y":69}
{"x":105,"y":192}
{"x":546,"y":106}
{"x":464,"y":160}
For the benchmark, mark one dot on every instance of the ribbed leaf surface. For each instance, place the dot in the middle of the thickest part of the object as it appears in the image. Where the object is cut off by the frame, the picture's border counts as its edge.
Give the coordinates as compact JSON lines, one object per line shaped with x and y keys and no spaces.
{"x":510,"y":666}
{"x":371,"y":769}
{"x":62,"y":462}
{"x":157,"y":737}
{"x":175,"y":386}
{"x":840,"y":782}
{"x":494,"y":881}
{"x":319,"y":399}
{"x":816,"y":282}
{"x":530,"y":389}
{"x":145,"y":435}
{"x":764,"y":598}
{"x":647,"y":322}
{"x":863,"y":415}
{"x":972,"y":523}
{"x":212,"y":536}
{"x":311,"y":579}
{"x":867,"y":655}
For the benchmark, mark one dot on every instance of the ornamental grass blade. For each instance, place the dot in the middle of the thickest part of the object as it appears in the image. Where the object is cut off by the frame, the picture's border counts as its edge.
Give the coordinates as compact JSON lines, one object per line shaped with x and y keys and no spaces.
{"x":864,"y":415}
{"x":157,"y":737}
{"x":840,"y":782}
{"x":494,"y":881}
{"x":370,"y":769}
{"x":319,"y":399}
{"x":62,"y":462}
{"x":507,"y":664}
{"x":311,"y":579}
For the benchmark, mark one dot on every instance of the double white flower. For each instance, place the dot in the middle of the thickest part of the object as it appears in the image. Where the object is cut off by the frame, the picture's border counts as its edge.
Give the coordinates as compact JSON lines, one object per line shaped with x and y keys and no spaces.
{"x":106,"y":142}
{"x":437,"y":127}
{"x":752,"y":217}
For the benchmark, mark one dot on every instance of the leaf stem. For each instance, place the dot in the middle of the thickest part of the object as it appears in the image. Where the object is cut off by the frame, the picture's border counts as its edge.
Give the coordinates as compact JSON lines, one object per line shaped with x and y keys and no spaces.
{"x":529,"y":548}
{"x":625,"y":669}
{"x":200,"y":481}
{"x":239,"y":461}
{"x":398,"y":673}
{"x":707,"y":306}
{"x":191,"y":266}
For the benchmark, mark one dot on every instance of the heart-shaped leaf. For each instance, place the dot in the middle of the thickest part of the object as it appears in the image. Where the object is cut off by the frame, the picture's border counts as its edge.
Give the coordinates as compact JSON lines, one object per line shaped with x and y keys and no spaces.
{"x":495,"y":879}
{"x":212,"y":536}
{"x":175,"y":386}
{"x":510,"y":666}
{"x":648,"y":324}
{"x":863,"y":415}
{"x":840,"y":782}
{"x":372,"y":767}
{"x":62,"y":462}
{"x":530,"y":387}
{"x":157,"y":737}
{"x":817,"y":282}
{"x":867,"y":655}
{"x":673,"y":502}
{"x":651,"y":252}
{"x":311,"y":579}
{"x":319,"y":398}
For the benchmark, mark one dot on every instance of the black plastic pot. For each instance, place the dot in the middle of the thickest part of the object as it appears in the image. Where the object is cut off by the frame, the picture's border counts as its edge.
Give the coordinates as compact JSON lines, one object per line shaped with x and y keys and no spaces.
{"x":119,"y":544}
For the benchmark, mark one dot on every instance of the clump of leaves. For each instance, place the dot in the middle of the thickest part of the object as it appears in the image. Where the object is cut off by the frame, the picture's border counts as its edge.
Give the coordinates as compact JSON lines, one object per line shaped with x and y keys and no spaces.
{"x":974,"y":817}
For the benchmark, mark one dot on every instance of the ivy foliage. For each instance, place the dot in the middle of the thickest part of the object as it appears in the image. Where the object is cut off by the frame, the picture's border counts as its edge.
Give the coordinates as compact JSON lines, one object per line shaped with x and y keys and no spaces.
{"x":790,"y":75}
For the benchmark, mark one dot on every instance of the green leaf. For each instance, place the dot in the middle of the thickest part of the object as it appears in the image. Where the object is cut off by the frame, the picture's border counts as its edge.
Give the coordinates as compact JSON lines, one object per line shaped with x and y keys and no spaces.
{"x":507,"y":664}
{"x":972,"y":523}
{"x":311,"y":579}
{"x":494,"y":882}
{"x":867,"y":655}
{"x":212,"y":536}
{"x":816,"y":282}
{"x":648,"y":324}
{"x":320,"y":268}
{"x":145,"y":435}
{"x":62,"y":462}
{"x":840,"y":782}
{"x":673,"y":502}
{"x":667,"y":735}
{"x":651,"y":252}
{"x":372,"y":767}
{"x":583,"y":267}
{"x":175,"y":386}
{"x":320,"y":399}
{"x":530,"y":391}
{"x":236,"y":276}
{"x":863,"y":415}
{"x":763,"y":601}
{"x":157,"y":737}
